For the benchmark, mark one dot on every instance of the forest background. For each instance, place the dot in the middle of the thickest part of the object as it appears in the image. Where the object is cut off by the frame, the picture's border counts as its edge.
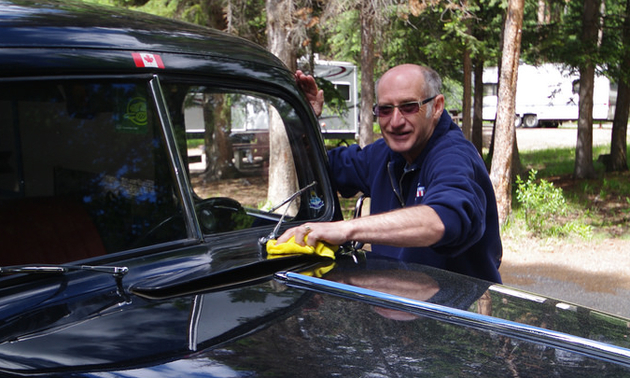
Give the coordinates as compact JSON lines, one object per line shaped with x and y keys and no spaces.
{"x":554,"y":198}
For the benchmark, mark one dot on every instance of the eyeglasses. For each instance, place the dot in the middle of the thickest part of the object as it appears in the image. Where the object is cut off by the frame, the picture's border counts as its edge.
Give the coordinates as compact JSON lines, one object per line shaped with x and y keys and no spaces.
{"x":406,"y":109}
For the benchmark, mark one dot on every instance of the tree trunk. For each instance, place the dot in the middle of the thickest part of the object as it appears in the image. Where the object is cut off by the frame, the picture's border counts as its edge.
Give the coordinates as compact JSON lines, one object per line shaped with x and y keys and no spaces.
{"x":279,"y":26}
{"x":282,"y":174}
{"x":466,"y":102}
{"x":477,"y":121}
{"x":218,"y":147}
{"x":282,"y":178}
{"x":366,"y":131}
{"x":501,"y":172}
{"x":584,"y":148}
{"x":618,"y":147}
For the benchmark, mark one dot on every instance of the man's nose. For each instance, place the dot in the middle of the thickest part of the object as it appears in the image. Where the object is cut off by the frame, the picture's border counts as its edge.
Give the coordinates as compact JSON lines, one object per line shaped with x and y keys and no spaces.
{"x":397,"y":118}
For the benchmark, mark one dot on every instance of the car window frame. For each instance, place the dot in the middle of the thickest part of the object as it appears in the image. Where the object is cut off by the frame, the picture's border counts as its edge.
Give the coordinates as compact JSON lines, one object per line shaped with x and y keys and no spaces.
{"x":316,"y":166}
{"x":302,"y":160}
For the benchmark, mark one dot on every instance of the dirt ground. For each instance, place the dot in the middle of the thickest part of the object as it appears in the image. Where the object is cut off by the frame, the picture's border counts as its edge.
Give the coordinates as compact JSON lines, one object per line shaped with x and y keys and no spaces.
{"x":594,"y":273}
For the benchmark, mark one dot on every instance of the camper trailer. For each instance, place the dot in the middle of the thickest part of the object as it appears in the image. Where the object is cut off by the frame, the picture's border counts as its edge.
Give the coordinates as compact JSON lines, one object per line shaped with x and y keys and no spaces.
{"x":340,"y":123}
{"x":546,"y":96}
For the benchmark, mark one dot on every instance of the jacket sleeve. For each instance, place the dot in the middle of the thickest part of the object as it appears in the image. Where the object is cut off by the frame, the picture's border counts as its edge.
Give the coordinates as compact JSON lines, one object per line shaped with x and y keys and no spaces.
{"x":350,"y":170}
{"x":457,"y":193}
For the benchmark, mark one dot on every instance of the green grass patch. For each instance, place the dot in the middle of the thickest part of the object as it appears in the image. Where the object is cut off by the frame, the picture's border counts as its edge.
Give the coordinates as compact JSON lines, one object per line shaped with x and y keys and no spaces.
{"x":550,"y":203}
{"x":194,"y":143}
{"x":559,"y":161}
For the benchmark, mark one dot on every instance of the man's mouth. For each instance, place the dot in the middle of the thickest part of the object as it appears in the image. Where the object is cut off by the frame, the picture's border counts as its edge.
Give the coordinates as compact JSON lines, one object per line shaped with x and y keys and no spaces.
{"x":399,"y":134}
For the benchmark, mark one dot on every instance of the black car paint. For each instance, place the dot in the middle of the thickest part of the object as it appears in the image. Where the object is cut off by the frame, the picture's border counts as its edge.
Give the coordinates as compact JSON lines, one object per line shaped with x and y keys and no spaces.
{"x":209,"y":305}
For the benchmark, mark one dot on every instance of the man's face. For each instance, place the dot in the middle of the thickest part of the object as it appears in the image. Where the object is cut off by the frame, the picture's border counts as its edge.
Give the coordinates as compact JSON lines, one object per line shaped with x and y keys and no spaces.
{"x":407,"y":134}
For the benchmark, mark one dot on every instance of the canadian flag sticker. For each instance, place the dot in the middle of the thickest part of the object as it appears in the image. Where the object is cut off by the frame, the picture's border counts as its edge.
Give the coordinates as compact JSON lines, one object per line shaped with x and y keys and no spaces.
{"x":147,"y":60}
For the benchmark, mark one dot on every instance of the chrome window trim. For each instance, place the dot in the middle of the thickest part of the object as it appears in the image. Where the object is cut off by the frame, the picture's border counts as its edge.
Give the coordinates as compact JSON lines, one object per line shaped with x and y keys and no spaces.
{"x":194,"y":229}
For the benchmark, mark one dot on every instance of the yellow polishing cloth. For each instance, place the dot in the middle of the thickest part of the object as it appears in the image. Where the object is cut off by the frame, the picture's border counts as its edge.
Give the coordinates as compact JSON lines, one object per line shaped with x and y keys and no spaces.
{"x":290,"y":247}
{"x":319,"y":272}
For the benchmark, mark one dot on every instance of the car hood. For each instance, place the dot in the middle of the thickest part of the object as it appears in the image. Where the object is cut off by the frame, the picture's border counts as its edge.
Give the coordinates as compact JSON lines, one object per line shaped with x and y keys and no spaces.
{"x":376,"y":317}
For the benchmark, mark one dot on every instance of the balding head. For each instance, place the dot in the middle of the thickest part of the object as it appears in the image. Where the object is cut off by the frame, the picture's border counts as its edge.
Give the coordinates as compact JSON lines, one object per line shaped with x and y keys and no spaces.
{"x":432,"y":83}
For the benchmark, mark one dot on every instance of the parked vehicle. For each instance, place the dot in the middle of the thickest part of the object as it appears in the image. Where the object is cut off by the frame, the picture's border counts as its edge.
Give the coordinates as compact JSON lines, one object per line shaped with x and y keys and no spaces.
{"x":547,"y":95}
{"x":120,"y":260}
{"x":342,"y":123}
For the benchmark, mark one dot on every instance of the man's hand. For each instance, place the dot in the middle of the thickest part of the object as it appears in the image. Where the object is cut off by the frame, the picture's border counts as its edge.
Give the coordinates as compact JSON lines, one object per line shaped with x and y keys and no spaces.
{"x":413,"y":226}
{"x":314,"y":95}
{"x":329,"y":232}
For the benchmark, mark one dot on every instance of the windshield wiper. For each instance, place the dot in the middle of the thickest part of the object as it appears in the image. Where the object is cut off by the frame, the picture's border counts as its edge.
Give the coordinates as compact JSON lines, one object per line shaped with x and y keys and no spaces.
{"x":274,"y":233}
{"x":117,"y":271}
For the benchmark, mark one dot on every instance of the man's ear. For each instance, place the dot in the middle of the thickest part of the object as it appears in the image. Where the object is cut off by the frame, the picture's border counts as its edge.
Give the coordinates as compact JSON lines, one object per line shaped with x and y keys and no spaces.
{"x":438,"y":106}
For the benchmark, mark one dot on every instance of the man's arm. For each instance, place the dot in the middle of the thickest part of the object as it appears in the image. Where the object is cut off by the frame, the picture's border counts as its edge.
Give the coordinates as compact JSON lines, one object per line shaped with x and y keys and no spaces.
{"x":416,"y":226}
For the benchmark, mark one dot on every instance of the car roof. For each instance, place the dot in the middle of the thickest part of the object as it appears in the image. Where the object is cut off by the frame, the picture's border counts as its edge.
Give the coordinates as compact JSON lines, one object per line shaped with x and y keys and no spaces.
{"x":109,"y":35}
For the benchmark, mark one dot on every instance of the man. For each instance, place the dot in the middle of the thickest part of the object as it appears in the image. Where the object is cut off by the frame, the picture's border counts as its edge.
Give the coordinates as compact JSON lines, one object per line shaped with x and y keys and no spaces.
{"x":432,"y":201}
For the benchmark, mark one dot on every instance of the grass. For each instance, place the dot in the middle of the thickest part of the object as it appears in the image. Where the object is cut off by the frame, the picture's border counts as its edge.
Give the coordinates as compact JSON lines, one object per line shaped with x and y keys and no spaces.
{"x":558,"y":161}
{"x":603,"y":203}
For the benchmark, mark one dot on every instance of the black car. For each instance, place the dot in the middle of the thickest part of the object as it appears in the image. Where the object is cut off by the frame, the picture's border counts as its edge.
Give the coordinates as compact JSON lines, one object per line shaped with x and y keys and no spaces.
{"x":144,"y":163}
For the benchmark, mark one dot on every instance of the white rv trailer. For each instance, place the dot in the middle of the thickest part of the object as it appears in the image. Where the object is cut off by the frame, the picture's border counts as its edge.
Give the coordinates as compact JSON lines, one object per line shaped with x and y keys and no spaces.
{"x":340,"y":124}
{"x":335,"y":123}
{"x":546,"y":95}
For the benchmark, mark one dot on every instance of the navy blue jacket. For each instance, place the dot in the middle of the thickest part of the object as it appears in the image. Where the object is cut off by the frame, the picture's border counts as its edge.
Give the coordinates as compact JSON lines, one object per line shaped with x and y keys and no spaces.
{"x":450,"y":177}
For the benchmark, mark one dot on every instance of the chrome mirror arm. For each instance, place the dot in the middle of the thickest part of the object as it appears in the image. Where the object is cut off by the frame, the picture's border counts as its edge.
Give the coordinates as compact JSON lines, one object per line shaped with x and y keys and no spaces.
{"x":274,"y":233}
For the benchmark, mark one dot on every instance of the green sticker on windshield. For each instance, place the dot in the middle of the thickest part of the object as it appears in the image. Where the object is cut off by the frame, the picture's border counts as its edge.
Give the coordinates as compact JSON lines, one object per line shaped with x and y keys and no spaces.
{"x":134,"y":117}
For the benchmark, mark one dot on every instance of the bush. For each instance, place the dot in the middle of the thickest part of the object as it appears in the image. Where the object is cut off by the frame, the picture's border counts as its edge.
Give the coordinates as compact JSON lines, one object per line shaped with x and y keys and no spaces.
{"x":545,"y":209}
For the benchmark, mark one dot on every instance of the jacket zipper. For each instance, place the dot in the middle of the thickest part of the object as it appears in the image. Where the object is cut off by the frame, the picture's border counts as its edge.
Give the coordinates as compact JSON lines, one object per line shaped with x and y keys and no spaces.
{"x":396,"y":189}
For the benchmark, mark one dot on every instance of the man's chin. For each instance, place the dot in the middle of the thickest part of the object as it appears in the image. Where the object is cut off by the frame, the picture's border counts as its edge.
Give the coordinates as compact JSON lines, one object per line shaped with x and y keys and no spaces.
{"x":398,"y":145}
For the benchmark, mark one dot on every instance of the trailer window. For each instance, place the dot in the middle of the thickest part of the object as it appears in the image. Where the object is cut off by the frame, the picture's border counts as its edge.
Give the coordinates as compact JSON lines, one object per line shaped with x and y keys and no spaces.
{"x":490,"y":89}
{"x":344,"y":91}
{"x":576,"y":86}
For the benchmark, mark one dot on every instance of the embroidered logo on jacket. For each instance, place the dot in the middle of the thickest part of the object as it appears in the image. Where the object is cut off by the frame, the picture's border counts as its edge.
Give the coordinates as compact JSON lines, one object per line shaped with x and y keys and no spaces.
{"x":420,"y":190}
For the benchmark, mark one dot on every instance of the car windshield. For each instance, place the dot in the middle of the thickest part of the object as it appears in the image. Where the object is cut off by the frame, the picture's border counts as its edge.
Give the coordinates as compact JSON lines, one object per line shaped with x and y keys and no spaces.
{"x":83,"y":171}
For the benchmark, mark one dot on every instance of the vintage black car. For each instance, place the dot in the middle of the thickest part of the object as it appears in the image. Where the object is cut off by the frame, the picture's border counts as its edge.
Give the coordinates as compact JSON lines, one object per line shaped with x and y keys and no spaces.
{"x":143,"y":165}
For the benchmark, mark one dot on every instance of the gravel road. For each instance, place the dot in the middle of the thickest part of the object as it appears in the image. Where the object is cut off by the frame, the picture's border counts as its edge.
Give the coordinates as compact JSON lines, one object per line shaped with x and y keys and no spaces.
{"x":536,"y":139}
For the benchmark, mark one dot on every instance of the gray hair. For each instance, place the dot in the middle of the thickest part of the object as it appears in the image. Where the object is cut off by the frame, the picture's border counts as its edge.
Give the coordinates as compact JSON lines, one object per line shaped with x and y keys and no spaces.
{"x":432,"y":82}
{"x":432,"y":86}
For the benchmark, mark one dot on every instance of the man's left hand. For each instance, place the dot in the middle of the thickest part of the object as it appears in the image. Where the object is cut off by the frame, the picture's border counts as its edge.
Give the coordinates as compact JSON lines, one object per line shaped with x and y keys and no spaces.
{"x":314,"y":95}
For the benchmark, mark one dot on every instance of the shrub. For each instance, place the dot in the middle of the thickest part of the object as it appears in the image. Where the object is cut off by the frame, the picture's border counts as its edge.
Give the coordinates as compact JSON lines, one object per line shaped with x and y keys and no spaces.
{"x":545,"y":209}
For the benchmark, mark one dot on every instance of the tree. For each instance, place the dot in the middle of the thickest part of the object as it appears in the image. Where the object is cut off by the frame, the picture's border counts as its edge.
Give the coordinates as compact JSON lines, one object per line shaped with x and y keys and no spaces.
{"x":590,"y":28}
{"x":618,"y":148}
{"x":466,"y":102}
{"x":280,"y":34}
{"x":367,"y":15}
{"x":477,"y":120}
{"x":486,"y":31}
{"x":584,"y":150}
{"x":372,"y":16}
{"x":501,"y":172}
